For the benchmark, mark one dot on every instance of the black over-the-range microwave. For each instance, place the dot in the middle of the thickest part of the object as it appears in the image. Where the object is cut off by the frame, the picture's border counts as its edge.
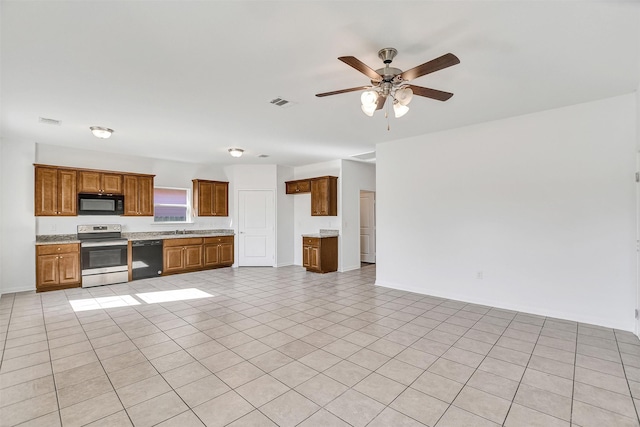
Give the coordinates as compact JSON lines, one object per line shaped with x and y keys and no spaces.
{"x":100,"y":204}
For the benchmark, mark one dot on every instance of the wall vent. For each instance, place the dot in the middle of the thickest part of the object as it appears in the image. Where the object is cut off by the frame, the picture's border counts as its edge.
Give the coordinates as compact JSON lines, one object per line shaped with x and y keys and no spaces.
{"x":262,"y":156}
{"x":281,"y":102}
{"x":49,"y":121}
{"x":370,"y":156}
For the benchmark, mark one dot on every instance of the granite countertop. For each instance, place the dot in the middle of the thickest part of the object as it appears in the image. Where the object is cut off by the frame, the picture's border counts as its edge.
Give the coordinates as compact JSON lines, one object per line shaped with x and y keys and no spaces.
{"x":323,"y":233}
{"x":157,"y":235}
{"x":60,"y":239}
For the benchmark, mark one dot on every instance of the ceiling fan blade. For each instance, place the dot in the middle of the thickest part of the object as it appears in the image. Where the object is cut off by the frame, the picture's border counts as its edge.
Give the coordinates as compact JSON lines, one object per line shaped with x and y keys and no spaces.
{"x":337,"y":92}
{"x":381,"y":101}
{"x":361,"y":66}
{"x":444,"y":61}
{"x":430,"y":93}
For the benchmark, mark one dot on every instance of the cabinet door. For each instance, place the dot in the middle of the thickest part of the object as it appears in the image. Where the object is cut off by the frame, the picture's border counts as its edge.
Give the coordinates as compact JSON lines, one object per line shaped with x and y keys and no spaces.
{"x":145,"y":195}
{"x":173,"y":259}
{"x":221,"y":199}
{"x":306,"y":255}
{"x":130,"y":195}
{"x":193,"y":256}
{"x":111,"y":183}
{"x":226,"y":253}
{"x":211,"y":255}
{"x":69,"y":268}
{"x":314,"y":258}
{"x":47,"y":271}
{"x":319,"y":196}
{"x":205,"y":199}
{"x":46,"y":193}
{"x":89,"y":182}
{"x":67,"y":194}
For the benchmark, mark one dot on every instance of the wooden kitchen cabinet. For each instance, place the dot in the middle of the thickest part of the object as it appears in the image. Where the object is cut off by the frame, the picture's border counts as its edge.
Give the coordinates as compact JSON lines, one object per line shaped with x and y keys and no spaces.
{"x":138,"y":195}
{"x":57,"y":267}
{"x":210,"y":198}
{"x":324,"y":196}
{"x":299,"y":186}
{"x":320,"y":254}
{"x":218,"y":251}
{"x":99,"y":182}
{"x":55,"y":192}
{"x":181,"y":255}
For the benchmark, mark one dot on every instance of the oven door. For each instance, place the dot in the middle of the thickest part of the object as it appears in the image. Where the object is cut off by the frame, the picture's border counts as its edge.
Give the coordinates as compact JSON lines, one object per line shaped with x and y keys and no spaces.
{"x":103,"y":257}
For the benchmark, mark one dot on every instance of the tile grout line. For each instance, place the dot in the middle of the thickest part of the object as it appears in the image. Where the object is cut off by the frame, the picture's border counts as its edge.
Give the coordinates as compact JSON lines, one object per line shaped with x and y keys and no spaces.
{"x":625,"y":376}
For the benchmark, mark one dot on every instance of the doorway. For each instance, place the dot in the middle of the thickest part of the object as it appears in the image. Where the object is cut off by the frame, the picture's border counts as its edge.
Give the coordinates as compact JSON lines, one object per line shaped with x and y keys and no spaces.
{"x":256,"y":227}
{"x":367,"y":226}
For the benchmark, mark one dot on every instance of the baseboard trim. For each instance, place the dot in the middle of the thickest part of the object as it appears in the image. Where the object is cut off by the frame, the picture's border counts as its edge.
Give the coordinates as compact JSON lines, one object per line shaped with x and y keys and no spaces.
{"x":15,"y":290}
{"x":538,"y":311}
{"x":353,"y":267}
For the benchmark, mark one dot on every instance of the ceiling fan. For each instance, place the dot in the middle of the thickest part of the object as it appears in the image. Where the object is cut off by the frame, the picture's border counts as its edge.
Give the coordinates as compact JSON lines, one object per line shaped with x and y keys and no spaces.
{"x":390,"y":81}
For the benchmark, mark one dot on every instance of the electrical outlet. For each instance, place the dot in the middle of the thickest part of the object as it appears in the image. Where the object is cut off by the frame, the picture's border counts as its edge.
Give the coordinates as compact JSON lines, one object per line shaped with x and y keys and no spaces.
{"x":480,"y":275}
{"x":52,"y":228}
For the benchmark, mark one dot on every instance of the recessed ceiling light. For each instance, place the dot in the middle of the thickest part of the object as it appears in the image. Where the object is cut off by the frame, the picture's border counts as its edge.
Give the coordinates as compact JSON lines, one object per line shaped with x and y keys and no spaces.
{"x":100,"y":132}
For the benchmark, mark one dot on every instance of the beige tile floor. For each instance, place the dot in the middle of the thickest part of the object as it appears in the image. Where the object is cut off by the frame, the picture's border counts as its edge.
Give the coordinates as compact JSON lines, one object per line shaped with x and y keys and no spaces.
{"x":283,"y":347}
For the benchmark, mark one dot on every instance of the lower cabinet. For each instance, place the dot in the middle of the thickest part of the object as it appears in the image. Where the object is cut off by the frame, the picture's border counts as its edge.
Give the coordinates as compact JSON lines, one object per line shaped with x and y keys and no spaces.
{"x":57,"y":267}
{"x":192,"y":254}
{"x":218,"y":251}
{"x":320,"y":254}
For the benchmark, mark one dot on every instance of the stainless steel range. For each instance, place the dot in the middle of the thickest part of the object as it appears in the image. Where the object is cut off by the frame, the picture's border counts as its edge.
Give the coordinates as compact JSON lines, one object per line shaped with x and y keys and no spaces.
{"x":103,"y":254}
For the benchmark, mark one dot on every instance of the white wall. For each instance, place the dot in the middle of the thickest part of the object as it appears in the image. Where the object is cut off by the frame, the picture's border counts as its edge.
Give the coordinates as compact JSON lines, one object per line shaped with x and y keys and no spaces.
{"x":304,"y":222}
{"x":543,"y":205}
{"x":356,"y":176}
{"x":284,"y":218}
{"x":17,"y":223}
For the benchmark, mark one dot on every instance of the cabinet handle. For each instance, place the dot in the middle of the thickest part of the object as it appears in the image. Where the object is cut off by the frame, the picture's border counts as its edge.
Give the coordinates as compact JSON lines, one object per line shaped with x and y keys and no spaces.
{"x":58,"y":248}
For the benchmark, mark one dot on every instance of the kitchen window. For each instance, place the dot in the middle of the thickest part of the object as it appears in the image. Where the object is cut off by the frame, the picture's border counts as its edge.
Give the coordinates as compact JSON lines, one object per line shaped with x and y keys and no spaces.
{"x":171,"y":204}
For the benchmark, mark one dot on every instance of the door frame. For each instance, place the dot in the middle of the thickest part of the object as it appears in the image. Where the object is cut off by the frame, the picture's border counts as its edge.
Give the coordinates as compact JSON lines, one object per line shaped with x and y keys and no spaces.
{"x":374,"y":224}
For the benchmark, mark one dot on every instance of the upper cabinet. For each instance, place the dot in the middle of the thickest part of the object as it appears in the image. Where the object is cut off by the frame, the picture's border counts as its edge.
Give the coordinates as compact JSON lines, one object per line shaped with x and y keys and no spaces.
{"x":210,"y":198}
{"x":324,"y":193}
{"x":55,"y":192}
{"x":324,"y":196}
{"x":299,"y":186}
{"x":99,"y":182}
{"x":138,"y":195}
{"x":57,"y":189}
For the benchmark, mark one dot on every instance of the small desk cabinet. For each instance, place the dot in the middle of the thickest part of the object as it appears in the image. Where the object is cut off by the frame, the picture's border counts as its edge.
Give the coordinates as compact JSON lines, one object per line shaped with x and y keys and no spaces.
{"x":320,"y":254}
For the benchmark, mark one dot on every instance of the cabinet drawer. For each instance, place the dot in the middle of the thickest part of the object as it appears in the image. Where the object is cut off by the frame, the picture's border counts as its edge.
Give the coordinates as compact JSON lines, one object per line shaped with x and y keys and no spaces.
{"x":219,"y":239}
{"x":57,"y":249}
{"x":311,"y":241}
{"x":182,"y":242}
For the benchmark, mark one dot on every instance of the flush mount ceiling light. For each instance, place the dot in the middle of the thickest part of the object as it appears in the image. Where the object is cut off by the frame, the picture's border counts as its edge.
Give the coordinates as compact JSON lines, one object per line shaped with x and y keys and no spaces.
{"x":236,"y":152}
{"x":101,"y":132}
{"x":390,"y":82}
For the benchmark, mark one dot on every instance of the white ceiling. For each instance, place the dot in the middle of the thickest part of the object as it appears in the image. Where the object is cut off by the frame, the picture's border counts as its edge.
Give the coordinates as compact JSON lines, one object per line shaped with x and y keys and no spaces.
{"x":187,"y":80}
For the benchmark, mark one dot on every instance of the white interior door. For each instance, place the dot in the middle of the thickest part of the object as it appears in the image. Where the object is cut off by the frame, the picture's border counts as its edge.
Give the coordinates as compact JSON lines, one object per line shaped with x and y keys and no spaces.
{"x":256,"y":225}
{"x":367,"y":226}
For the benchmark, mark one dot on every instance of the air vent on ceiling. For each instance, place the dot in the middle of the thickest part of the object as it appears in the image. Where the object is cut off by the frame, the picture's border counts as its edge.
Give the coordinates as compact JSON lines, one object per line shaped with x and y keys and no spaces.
{"x":49,"y":121}
{"x":263,"y":156}
{"x":281,"y":102}
{"x":366,"y":156}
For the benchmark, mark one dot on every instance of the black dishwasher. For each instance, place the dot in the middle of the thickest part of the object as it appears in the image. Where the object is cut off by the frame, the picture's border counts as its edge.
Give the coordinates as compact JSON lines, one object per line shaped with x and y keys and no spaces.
{"x":146,"y":258}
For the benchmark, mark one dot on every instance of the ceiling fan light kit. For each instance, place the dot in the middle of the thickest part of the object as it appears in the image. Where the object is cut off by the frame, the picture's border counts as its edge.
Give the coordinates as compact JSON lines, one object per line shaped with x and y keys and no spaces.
{"x":392,"y":82}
